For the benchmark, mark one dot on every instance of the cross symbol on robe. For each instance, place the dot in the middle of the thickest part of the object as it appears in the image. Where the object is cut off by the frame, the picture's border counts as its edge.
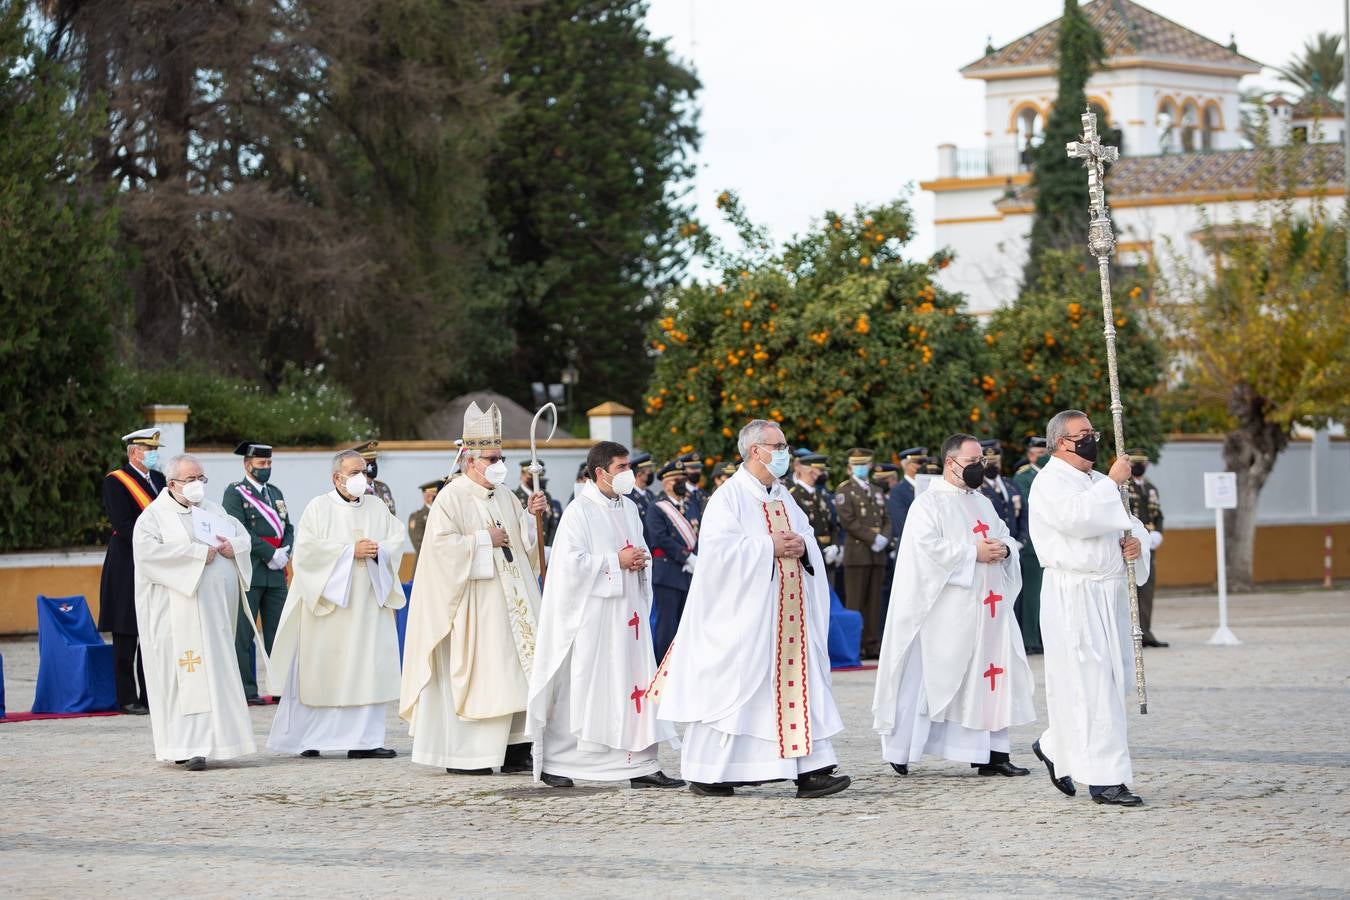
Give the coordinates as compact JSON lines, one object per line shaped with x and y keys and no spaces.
{"x":992,"y":602}
{"x":634,"y":622}
{"x":992,"y":674}
{"x":636,"y":697}
{"x":981,"y":529}
{"x":190,"y":661}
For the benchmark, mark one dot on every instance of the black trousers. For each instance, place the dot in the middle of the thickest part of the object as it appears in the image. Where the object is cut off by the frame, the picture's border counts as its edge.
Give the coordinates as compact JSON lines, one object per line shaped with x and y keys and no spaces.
{"x":667,"y":609}
{"x":128,"y":674}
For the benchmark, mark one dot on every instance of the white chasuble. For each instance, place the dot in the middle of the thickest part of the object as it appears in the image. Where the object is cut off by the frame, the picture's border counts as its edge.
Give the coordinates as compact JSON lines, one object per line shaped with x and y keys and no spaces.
{"x":187,"y":611}
{"x":750,"y":660}
{"x":588,"y":711}
{"x":952,"y":664}
{"x":1077,"y":520}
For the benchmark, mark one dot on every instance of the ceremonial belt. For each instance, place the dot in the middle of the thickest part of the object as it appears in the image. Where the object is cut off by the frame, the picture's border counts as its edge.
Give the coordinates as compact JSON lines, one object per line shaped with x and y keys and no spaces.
{"x":133,"y":487}
{"x":268,"y":513}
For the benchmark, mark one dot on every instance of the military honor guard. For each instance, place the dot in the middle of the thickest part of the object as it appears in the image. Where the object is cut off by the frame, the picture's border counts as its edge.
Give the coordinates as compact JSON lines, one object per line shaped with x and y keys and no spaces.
{"x":901,"y":496}
{"x":697,"y":498}
{"x":861,"y":508}
{"x":370,"y":453}
{"x":808,"y":489}
{"x":261,"y":507}
{"x":1147,"y":508}
{"x":722,"y":472}
{"x":1002,"y":493}
{"x":417,"y":522}
{"x":127,"y":491}
{"x":673,"y":540}
{"x":552,"y":508}
{"x":1028,"y":606}
{"x":644,"y":471}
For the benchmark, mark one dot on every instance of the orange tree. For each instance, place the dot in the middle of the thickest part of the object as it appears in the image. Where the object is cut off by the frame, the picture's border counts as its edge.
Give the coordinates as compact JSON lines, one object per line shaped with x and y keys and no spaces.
{"x":835,"y":336}
{"x":1048,"y":353}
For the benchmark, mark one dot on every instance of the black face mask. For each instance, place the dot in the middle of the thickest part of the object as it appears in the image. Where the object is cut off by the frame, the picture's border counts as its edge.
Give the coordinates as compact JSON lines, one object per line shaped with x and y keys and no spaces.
{"x":681,"y":489}
{"x":973,"y":475}
{"x":991,"y":470}
{"x":1086,"y":447}
{"x":261,"y":475}
{"x":372,"y":470}
{"x":1137,"y":469}
{"x":694,"y":479}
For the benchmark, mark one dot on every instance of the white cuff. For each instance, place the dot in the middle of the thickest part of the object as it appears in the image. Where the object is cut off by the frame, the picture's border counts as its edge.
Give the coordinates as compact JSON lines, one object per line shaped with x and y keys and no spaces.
{"x":482,"y":565}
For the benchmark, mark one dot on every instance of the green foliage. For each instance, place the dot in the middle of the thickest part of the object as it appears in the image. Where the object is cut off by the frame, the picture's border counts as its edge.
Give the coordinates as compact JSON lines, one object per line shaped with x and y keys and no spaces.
{"x":1318,"y":71}
{"x":303,"y":411}
{"x":61,"y":278}
{"x":584,"y":187}
{"x":836,"y":336}
{"x":1048,"y":354}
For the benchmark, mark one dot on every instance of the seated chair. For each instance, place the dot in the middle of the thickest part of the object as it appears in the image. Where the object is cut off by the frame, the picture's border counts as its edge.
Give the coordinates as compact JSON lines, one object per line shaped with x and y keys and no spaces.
{"x":845,"y":634}
{"x":75,"y":666}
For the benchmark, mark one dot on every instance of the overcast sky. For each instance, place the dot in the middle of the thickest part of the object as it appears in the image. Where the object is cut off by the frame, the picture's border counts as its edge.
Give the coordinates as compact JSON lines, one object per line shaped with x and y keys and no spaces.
{"x":810,"y":105}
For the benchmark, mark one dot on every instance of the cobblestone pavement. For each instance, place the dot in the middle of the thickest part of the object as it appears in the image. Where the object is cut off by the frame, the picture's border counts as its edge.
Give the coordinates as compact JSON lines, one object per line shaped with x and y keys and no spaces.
{"x":1243,"y":761}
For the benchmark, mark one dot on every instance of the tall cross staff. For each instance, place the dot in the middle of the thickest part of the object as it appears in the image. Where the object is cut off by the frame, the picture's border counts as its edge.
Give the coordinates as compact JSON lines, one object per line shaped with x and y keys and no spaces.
{"x":534,"y":471}
{"x":1101,"y":241}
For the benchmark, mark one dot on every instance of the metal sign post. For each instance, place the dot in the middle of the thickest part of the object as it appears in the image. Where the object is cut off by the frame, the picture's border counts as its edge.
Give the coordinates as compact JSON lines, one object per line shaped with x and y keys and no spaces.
{"x":1221,"y":494}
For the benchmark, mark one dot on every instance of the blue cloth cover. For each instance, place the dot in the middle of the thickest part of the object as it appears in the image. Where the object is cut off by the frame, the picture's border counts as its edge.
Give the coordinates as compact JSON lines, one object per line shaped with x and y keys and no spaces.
{"x":75,"y":666}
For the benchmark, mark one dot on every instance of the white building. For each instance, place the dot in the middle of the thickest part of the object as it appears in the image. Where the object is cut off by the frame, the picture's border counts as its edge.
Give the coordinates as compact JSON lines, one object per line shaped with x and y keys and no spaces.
{"x":1183,"y":176}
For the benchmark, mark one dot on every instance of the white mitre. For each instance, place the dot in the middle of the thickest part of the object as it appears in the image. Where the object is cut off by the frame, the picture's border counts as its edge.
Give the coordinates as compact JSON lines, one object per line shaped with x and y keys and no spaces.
{"x":482,"y":430}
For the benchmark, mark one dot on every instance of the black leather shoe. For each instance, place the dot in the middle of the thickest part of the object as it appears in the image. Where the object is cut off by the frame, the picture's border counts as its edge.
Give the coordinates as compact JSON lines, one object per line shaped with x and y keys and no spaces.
{"x":711,"y":790}
{"x":657,"y":779}
{"x":468,"y":771}
{"x":377,"y":753}
{"x":179,"y":762}
{"x":900,"y":768}
{"x":198,"y":763}
{"x":1064,"y":785}
{"x":1117,"y":795}
{"x":309,"y":754}
{"x":1002,"y":767}
{"x":557,"y":781}
{"x":1151,"y":641}
{"x":518,"y":760}
{"x":135,"y":709}
{"x":521,"y":768}
{"x":821,"y":784}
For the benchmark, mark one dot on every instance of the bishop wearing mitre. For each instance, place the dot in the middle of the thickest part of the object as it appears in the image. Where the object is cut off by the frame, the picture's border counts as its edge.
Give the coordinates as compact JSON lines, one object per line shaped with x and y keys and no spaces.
{"x":335,"y":655}
{"x":192,"y":571}
{"x":469,"y":647}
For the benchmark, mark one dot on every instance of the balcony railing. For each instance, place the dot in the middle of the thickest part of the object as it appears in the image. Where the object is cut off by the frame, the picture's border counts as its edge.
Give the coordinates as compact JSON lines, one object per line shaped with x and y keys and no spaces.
{"x":982,"y":162}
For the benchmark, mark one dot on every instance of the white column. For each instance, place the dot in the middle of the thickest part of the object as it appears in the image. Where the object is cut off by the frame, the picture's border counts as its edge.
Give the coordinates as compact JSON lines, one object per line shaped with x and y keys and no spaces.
{"x":612,"y":421}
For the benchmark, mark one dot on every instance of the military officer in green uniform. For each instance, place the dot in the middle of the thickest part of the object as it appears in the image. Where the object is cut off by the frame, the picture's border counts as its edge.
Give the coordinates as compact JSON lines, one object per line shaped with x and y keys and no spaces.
{"x":552,"y":512}
{"x":417,"y":522}
{"x":370,"y":454}
{"x":1145,"y":506}
{"x":1028,"y":605}
{"x":261,"y":507}
{"x":808,"y":489}
{"x":861,"y":508}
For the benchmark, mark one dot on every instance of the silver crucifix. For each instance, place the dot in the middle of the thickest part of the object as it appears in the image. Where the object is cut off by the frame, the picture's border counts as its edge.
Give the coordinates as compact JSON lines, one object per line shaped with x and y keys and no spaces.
{"x":1101,"y":241}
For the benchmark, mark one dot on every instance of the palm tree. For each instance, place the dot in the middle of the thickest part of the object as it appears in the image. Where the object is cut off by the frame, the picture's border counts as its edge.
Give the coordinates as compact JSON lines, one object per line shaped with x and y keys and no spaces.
{"x":1319,"y":69}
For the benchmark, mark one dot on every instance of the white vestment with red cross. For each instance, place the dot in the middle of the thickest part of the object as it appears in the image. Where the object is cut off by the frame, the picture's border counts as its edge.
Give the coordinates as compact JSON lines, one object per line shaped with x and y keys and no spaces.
{"x":951,"y":625}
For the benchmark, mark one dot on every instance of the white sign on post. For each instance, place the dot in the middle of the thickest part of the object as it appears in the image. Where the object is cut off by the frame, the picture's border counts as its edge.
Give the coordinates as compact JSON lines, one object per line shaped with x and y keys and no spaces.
{"x":1221,"y":494}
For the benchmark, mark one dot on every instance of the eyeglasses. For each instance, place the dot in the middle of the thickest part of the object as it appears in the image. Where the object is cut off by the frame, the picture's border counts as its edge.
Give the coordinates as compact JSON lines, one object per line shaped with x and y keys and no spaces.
{"x":201,"y":478}
{"x":492,"y":460}
{"x":774,"y":448}
{"x":967,"y":460}
{"x":1096,"y":436}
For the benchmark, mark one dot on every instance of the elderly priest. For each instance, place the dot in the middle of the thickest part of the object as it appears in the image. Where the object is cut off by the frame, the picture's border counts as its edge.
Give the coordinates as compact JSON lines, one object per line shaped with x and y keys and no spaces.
{"x":335,"y":657}
{"x":192,"y":571}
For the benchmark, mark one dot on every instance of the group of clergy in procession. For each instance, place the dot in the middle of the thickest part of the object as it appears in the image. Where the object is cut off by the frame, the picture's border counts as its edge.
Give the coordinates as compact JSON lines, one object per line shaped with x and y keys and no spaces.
{"x":702,"y":611}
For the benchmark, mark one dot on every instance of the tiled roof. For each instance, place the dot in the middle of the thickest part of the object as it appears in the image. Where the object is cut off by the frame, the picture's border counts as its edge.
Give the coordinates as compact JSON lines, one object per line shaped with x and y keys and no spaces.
{"x":1127,"y":30}
{"x":1317,"y":106}
{"x":1187,"y":175}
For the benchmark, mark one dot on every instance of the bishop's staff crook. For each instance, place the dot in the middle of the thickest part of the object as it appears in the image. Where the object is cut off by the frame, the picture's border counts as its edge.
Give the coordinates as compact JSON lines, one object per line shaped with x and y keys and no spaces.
{"x":1101,"y":241}
{"x":535,"y":469}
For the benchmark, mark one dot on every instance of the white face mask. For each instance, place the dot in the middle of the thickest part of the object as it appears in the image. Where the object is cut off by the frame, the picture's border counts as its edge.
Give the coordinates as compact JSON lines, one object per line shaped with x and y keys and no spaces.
{"x":194,"y":492}
{"x":496,"y":473}
{"x":623,"y":483}
{"x":357,"y":484}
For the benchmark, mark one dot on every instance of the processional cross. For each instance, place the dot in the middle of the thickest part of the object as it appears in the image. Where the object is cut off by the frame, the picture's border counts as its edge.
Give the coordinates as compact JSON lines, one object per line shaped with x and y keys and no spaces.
{"x":1101,"y":241}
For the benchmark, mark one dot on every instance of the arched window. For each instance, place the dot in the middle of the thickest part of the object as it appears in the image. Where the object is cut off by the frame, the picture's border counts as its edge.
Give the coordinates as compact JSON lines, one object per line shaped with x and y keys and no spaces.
{"x":1190,"y":126}
{"x":1167,"y":125}
{"x":1212,"y":126}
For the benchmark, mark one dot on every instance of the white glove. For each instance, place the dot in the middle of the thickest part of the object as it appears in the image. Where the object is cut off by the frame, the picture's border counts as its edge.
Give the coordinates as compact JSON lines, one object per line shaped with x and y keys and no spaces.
{"x":689,"y":563}
{"x":832,"y":554}
{"x":879,"y":543}
{"x":280,"y":557}
{"x":1155,"y":538}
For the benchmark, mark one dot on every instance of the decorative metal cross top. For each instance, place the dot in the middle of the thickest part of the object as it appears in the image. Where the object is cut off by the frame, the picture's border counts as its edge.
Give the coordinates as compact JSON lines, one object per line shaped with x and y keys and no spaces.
{"x":1095,"y":155}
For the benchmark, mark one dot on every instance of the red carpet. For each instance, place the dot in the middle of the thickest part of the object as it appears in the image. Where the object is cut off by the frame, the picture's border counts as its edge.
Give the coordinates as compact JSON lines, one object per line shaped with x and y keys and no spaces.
{"x":34,"y":717}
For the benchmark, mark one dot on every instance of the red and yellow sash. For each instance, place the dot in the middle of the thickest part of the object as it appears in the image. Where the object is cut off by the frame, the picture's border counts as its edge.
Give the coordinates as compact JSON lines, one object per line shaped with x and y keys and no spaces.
{"x":133,"y":487}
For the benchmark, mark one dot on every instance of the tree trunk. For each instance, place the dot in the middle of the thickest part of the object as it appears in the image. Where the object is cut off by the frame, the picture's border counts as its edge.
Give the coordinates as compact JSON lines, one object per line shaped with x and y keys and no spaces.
{"x":1249,"y":451}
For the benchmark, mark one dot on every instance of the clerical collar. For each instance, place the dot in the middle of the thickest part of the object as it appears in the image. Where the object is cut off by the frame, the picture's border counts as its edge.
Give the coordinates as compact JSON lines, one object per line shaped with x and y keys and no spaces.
{"x":355,"y":501}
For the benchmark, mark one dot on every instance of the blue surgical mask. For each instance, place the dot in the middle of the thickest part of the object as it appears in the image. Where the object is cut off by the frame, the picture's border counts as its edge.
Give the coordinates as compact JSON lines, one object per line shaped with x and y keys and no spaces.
{"x":151,"y":459}
{"x":861,"y":471}
{"x":778,"y":463}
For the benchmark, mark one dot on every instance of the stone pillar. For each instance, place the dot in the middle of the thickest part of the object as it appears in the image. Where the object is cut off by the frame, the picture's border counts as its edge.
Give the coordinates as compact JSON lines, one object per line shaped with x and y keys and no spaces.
{"x":612,"y":421}
{"x":171,"y":420}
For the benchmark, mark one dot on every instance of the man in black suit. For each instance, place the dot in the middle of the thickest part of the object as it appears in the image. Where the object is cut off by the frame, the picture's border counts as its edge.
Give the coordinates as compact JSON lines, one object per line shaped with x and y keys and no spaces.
{"x":1003,"y":492}
{"x":901,"y":496}
{"x":673,"y":540}
{"x":127,"y":490}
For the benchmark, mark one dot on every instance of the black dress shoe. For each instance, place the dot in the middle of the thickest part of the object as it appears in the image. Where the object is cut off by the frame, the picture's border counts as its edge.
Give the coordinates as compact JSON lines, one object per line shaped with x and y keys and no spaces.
{"x":1117,"y":795}
{"x":520,"y":768}
{"x":179,"y":762}
{"x":309,"y":754}
{"x":468,"y":771}
{"x":1064,"y":785}
{"x":135,"y":709}
{"x":557,"y":781}
{"x":821,"y":783}
{"x":1002,"y":767}
{"x":196,"y":764}
{"x":1151,"y":641}
{"x":377,"y":753}
{"x":711,"y":790}
{"x":657,"y":779}
{"x":900,"y":768}
{"x":518,"y":760}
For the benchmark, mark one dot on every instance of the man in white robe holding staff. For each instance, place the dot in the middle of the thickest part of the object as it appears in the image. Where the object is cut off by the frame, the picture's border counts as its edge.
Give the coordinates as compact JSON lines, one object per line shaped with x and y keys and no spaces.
{"x":192,"y":571}
{"x":749,"y":668}
{"x":1083,"y":535}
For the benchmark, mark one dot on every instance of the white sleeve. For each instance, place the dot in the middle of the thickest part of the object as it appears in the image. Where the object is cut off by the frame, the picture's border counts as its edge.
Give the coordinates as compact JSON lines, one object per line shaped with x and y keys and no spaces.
{"x":482,"y":566}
